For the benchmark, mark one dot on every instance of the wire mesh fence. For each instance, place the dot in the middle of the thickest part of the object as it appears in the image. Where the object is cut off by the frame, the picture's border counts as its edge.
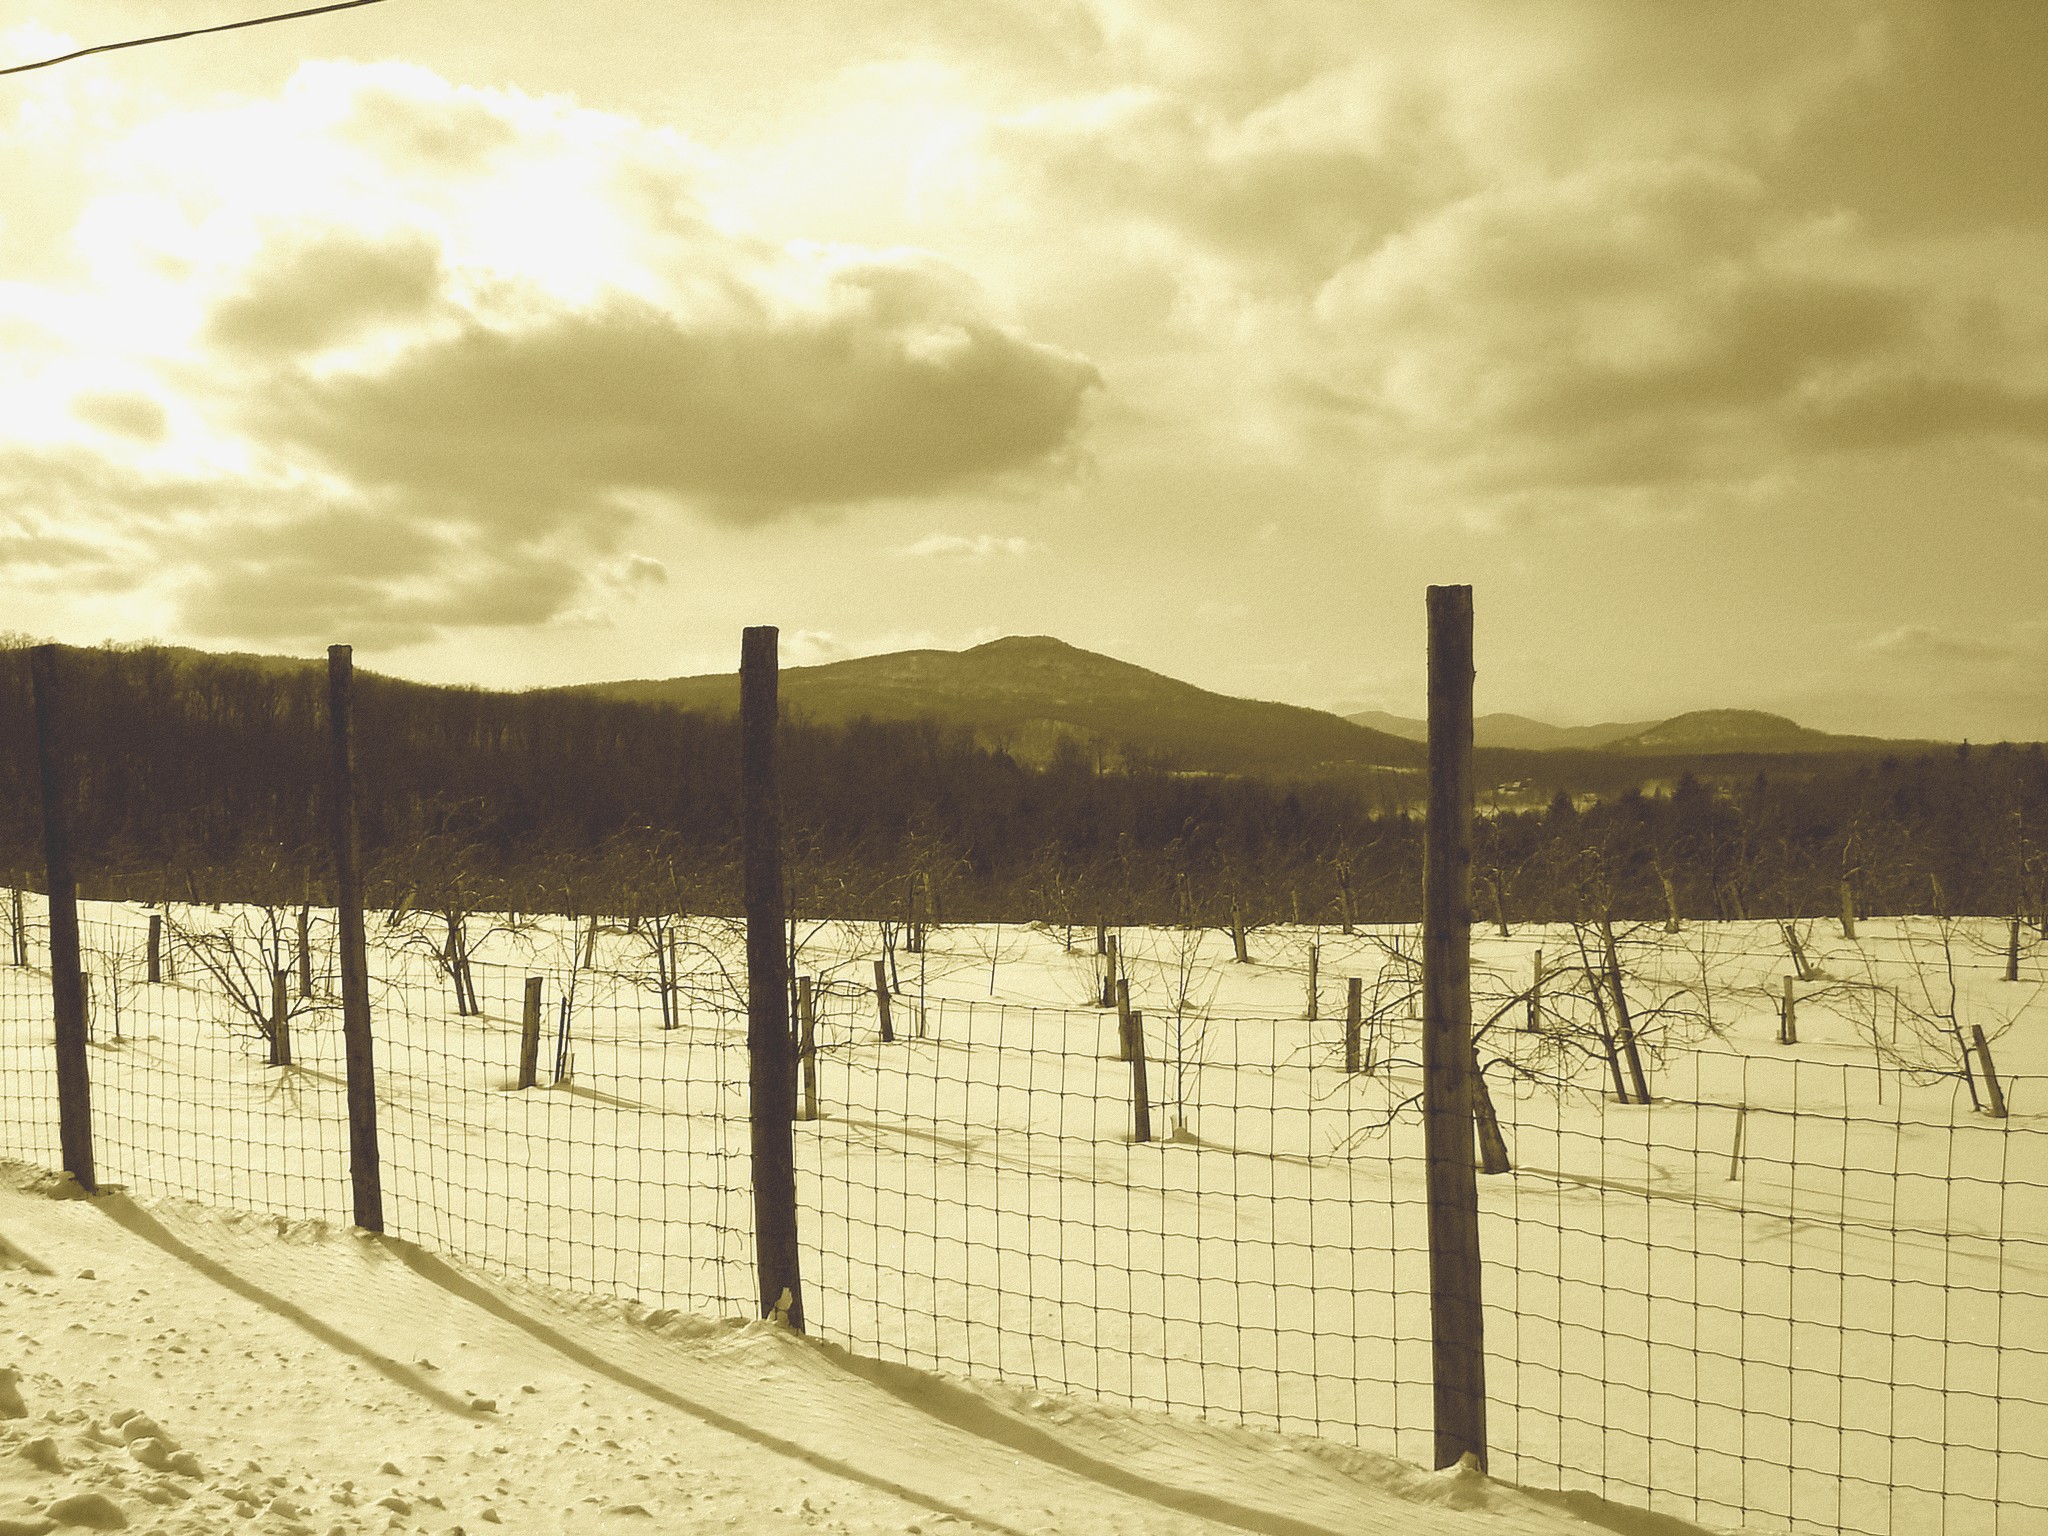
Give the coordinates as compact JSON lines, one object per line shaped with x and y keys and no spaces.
{"x":1803,"y":1286}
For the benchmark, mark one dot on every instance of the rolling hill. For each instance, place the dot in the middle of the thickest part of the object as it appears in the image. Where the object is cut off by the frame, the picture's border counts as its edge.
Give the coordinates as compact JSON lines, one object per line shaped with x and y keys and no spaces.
{"x":1027,"y":693}
{"x":1512,"y":732}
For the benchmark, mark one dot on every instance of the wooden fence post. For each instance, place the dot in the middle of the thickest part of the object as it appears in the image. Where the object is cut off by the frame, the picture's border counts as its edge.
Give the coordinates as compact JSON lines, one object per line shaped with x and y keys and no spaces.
{"x":280,"y":1016}
{"x":807,"y":1047}
{"x":365,"y":1174}
{"x":529,"y":1035}
{"x":1109,"y":973}
{"x":2012,"y":950}
{"x":1458,"y":1351}
{"x":1315,"y":957}
{"x":882,"y":1003}
{"x":305,"y":951}
{"x":1788,"y":1016}
{"x":1141,"y":1099}
{"x":67,"y":982}
{"x":1993,"y":1089}
{"x":1354,"y":1014}
{"x":156,"y":946}
{"x":1535,"y":1019}
{"x":1123,"y":1019}
{"x":771,"y":1069}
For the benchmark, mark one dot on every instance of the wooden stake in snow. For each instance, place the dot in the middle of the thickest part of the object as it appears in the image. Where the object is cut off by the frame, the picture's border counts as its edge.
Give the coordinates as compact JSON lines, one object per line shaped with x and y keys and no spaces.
{"x":67,"y":981}
{"x":1457,"y":1328}
{"x":1123,"y":1019}
{"x":2012,"y":950}
{"x":1315,"y":956}
{"x":529,"y":1035}
{"x":807,"y":1047}
{"x":1535,"y":1020}
{"x":1141,"y":1101}
{"x":1993,"y":1089}
{"x":882,"y":1003}
{"x":772,"y":1068}
{"x":156,"y":946}
{"x":1109,"y":974}
{"x":1735,"y":1148}
{"x":305,"y":951}
{"x":1354,"y":1016}
{"x":365,"y":1173}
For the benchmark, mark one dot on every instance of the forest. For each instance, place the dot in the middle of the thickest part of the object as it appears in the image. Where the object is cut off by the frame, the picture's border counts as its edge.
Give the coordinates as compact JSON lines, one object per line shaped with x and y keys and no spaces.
{"x":204,"y":778}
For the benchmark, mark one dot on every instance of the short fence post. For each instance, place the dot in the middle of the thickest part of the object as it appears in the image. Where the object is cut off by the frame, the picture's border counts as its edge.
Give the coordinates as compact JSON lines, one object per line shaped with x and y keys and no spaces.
{"x":67,"y":982}
{"x":365,"y":1173}
{"x":771,"y":1067}
{"x":2012,"y":950}
{"x":529,"y":1035}
{"x":1788,"y":1016}
{"x":1123,"y":1019}
{"x":1315,"y":956}
{"x":807,"y":1046}
{"x":1458,"y":1351}
{"x":1535,"y":1020}
{"x":1141,"y":1101}
{"x":1993,"y":1090}
{"x":1109,"y":974}
{"x":156,"y":946}
{"x":280,"y":1017}
{"x":882,"y":1003}
{"x":1354,"y":1015}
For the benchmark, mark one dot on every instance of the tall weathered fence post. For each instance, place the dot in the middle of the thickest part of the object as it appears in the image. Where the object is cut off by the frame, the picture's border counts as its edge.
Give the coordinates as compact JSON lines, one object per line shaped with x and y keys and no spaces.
{"x":305,"y":952}
{"x":1123,"y":1018}
{"x":20,"y":923}
{"x":771,"y":1063}
{"x":1315,"y":956}
{"x":365,"y":1174}
{"x":67,"y":983}
{"x":1535,"y":1019}
{"x":807,"y":1046}
{"x":156,"y":946}
{"x":1354,"y":1013}
{"x":529,"y":1035}
{"x":1458,"y":1351}
{"x":1109,"y":972}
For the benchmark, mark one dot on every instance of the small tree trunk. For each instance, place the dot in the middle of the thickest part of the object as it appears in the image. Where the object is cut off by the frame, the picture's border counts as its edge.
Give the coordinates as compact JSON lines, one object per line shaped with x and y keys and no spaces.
{"x":882,"y":1004}
{"x":1671,"y":923}
{"x":807,"y":1047}
{"x":1237,"y":936}
{"x":1788,"y":1016}
{"x":280,"y":1017}
{"x":2012,"y":950}
{"x":1350,"y":914}
{"x":1848,"y":911}
{"x":1624,"y":1026}
{"x":1493,"y":1147}
{"x":1598,"y":987}
{"x":1500,"y":915}
{"x":1798,"y":951}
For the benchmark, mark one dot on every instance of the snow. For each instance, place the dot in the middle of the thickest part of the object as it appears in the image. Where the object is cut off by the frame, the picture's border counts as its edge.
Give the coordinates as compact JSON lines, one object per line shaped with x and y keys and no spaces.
{"x":193,"y":1370}
{"x":1808,"y":1283}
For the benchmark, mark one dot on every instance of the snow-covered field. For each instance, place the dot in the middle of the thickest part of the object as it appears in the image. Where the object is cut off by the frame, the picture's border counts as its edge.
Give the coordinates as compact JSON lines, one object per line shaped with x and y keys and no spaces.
{"x":1806,"y":1284}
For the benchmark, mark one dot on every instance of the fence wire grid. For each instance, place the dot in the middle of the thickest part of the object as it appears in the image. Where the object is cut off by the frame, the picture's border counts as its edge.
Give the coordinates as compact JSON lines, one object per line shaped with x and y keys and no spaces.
{"x":1803,"y":1288}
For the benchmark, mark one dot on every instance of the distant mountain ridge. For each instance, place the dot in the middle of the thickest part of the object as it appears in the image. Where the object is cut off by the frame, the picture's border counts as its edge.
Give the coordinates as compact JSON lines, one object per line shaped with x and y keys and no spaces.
{"x":1697,"y":733}
{"x":1028,"y":693}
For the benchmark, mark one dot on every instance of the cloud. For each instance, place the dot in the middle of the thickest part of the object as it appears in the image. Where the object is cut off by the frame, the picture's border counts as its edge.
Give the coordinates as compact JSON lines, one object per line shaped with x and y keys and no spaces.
{"x":385,"y":354}
{"x":954,"y":546}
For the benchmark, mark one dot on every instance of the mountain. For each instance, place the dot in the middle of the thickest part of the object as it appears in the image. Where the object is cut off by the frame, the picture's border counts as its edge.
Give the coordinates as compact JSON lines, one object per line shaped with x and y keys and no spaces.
{"x":1722,"y":731}
{"x":1027,"y":693}
{"x":1515,"y":732}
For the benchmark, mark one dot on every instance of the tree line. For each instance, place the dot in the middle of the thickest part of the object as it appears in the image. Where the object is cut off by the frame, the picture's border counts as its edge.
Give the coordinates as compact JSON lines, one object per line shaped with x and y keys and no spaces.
{"x":195,"y":777}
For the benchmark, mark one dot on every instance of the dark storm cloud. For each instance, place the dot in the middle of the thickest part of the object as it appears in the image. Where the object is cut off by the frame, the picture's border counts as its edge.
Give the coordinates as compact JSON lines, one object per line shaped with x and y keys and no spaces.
{"x":887,"y":391}
{"x":310,"y":291}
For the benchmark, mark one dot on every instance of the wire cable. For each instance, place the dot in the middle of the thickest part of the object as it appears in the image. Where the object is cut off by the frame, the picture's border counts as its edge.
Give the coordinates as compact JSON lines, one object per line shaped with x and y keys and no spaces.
{"x":172,"y":37}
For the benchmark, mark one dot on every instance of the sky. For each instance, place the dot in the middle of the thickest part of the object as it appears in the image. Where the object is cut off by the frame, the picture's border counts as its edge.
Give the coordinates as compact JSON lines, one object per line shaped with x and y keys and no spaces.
{"x":520,"y":343}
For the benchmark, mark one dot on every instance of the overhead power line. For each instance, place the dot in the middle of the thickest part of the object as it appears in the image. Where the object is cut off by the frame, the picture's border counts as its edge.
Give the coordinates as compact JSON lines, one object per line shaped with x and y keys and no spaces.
{"x":171,"y":37}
